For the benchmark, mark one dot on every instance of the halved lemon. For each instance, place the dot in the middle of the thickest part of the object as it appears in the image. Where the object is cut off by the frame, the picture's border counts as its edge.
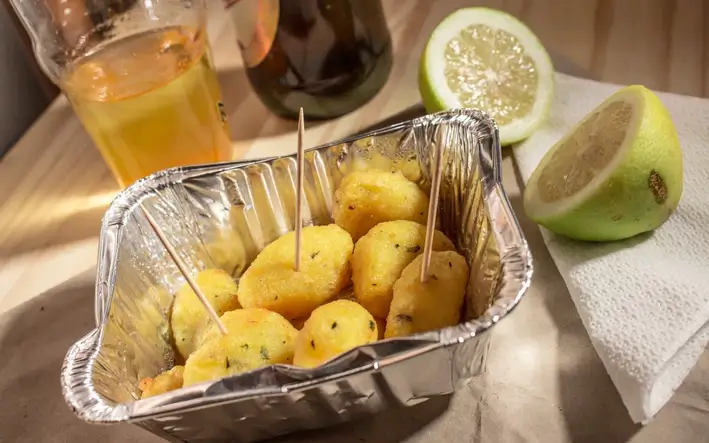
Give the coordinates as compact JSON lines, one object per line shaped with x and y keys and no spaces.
{"x":618,"y":173}
{"x":487,"y":59}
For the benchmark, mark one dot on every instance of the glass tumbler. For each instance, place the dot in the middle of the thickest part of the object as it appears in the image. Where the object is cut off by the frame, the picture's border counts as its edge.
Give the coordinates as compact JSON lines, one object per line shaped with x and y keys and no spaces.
{"x":138,"y":74}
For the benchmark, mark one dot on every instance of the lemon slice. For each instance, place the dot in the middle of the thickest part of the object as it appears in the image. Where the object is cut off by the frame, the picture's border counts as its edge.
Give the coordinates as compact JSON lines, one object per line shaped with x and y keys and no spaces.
{"x":618,"y":173}
{"x":487,"y":59}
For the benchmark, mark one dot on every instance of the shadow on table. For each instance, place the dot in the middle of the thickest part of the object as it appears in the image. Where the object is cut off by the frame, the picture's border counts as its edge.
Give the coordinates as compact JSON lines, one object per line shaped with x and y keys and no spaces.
{"x":42,"y":214}
{"x":34,"y":338}
{"x":259,"y":121}
{"x":590,"y":404}
{"x":391,"y":426}
{"x":409,"y":113}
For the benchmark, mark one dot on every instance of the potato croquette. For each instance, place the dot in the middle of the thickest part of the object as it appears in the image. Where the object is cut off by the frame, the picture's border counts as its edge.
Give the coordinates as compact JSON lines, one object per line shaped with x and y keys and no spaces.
{"x":189,"y":318}
{"x":420,"y":307}
{"x":381,"y":255}
{"x":256,"y":338}
{"x":331,"y":330}
{"x":164,"y":382}
{"x":272,"y":283}
{"x":367,"y":198}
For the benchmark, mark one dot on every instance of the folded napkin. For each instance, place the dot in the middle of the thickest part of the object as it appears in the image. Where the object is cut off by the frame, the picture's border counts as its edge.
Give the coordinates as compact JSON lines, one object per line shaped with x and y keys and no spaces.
{"x":645,"y":301}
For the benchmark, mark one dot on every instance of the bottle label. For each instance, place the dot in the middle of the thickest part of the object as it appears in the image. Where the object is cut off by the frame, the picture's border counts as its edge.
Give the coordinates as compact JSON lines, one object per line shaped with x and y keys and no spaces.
{"x":256,"y":23}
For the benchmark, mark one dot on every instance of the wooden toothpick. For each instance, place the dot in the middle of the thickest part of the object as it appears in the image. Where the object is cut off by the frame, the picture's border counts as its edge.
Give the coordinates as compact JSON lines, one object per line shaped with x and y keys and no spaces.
{"x":299,"y":190}
{"x":183,"y":269}
{"x":432,"y":206}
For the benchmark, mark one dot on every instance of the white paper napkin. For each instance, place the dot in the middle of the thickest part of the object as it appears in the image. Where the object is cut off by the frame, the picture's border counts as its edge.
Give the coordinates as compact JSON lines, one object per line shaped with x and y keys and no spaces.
{"x":644,"y":301}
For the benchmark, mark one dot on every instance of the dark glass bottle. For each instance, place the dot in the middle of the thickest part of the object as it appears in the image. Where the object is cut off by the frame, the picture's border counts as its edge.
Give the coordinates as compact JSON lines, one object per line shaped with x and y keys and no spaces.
{"x":328,"y":56}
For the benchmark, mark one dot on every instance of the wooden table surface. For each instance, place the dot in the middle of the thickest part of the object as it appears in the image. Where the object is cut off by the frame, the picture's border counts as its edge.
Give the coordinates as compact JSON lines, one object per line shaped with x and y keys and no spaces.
{"x":55,"y":189}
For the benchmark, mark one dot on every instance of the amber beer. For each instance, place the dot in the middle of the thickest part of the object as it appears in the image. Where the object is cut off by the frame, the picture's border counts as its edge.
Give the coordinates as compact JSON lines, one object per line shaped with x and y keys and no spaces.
{"x":150,"y":101}
{"x":328,"y":56}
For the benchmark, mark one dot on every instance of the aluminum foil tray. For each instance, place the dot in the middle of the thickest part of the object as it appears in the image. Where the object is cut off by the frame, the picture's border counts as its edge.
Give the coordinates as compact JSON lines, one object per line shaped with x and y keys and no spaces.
{"x":222,"y":215}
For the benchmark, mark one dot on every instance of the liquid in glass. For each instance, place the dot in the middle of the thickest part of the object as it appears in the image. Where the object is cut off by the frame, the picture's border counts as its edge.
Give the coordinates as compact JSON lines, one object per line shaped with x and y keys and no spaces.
{"x":150,"y":101}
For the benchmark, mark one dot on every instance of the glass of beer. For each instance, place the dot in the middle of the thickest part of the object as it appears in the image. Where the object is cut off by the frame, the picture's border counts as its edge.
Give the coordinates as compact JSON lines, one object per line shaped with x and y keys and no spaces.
{"x":139,"y":76}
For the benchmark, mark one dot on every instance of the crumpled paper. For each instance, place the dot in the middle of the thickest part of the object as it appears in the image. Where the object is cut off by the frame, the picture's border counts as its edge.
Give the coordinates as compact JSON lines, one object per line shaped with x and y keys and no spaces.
{"x":643,"y":301}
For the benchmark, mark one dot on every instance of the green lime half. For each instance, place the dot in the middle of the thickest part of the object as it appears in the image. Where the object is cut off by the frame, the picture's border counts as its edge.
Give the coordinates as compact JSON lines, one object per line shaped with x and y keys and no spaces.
{"x":616,"y":174}
{"x":488,"y":60}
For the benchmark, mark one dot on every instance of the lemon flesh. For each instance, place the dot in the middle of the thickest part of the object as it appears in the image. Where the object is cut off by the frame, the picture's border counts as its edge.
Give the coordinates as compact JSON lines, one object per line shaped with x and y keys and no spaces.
{"x":488,"y":60}
{"x":617,"y":174}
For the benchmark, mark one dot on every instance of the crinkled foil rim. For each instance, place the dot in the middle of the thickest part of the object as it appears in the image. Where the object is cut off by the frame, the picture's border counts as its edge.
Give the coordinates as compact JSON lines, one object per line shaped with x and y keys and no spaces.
{"x":89,"y":406}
